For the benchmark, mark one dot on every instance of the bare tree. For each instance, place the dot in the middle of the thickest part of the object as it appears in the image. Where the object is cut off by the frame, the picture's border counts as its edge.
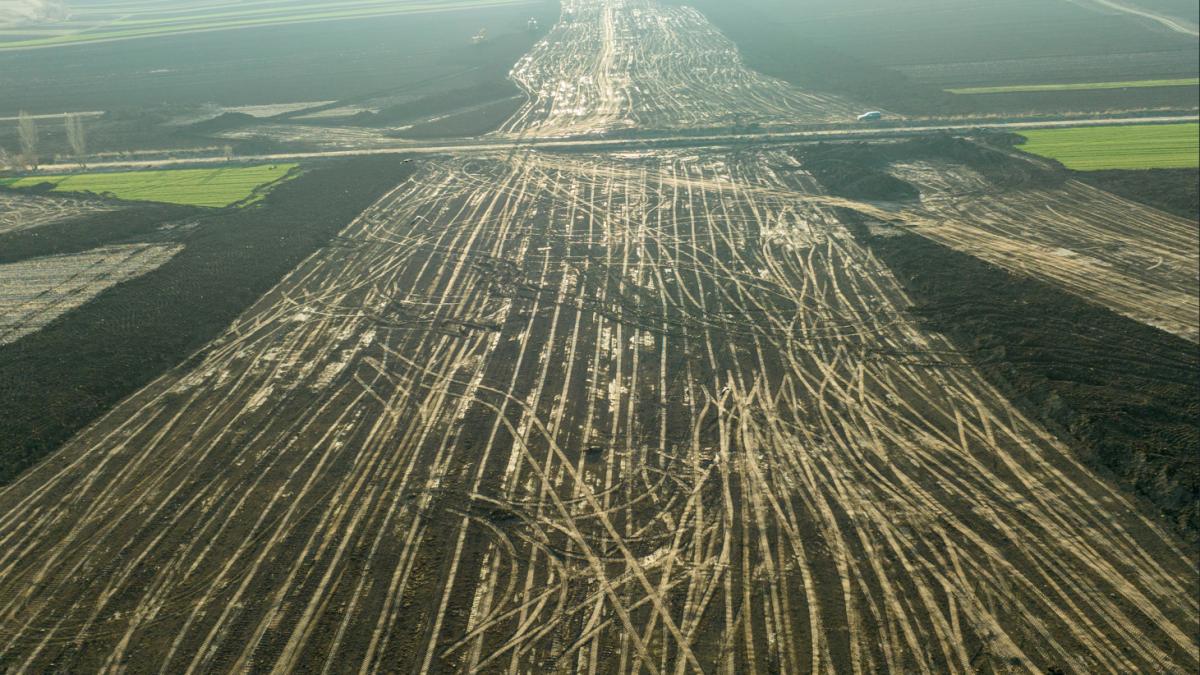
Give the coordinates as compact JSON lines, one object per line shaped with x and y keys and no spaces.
{"x":76,"y":137}
{"x":27,"y":129}
{"x":7,"y":161}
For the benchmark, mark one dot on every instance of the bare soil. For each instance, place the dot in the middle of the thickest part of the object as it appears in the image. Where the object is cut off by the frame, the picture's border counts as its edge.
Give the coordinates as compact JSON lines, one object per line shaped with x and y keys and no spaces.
{"x":133,"y":332}
{"x":1126,"y":395}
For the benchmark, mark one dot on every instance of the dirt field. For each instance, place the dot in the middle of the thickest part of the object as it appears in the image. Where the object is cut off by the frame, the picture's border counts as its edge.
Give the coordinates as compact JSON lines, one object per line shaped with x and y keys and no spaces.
{"x":134,"y":331}
{"x":33,"y":293}
{"x":24,"y":212}
{"x":640,"y":64}
{"x":588,"y":414}
{"x":1137,"y":261}
{"x":655,"y":411}
{"x":903,"y":57}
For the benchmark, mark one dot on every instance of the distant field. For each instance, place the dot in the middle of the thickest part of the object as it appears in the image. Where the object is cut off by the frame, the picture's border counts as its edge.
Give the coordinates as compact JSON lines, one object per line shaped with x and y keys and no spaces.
{"x":283,"y":65}
{"x":195,"y":187}
{"x":1167,"y":146}
{"x":902,"y":56}
{"x":128,"y":21}
{"x":1079,"y":86}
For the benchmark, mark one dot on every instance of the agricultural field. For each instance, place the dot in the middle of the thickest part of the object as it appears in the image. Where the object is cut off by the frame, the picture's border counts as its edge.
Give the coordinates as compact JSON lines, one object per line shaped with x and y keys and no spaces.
{"x":151,"y":90}
{"x":1139,"y":262}
{"x":565,"y":410}
{"x":900,"y":57}
{"x":132,"y":332}
{"x":24,"y":212}
{"x":1079,"y":86}
{"x":922,"y":404}
{"x":35,"y":292}
{"x":1168,"y":146}
{"x":92,"y":23}
{"x":216,"y":188}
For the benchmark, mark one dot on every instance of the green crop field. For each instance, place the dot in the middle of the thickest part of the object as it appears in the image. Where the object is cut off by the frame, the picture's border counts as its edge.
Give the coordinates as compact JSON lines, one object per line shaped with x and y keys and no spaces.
{"x":196,"y":187}
{"x":1162,"y":146}
{"x":1079,"y":86}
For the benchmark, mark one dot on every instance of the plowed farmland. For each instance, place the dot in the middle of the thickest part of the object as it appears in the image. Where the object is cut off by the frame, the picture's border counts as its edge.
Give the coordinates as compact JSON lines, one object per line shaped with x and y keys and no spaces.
{"x":557,"y":412}
{"x":24,"y":212}
{"x":34,"y":292}
{"x":654,"y":411}
{"x":1137,"y":261}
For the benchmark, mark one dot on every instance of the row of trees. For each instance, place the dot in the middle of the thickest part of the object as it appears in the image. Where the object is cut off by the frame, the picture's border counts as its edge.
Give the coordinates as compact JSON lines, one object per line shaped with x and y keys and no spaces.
{"x":27,"y":136}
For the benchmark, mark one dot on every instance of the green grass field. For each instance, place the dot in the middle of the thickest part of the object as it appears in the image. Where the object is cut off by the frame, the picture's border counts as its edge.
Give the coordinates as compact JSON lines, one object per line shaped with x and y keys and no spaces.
{"x":1160,"y":146}
{"x":195,"y":187}
{"x":1078,"y":86}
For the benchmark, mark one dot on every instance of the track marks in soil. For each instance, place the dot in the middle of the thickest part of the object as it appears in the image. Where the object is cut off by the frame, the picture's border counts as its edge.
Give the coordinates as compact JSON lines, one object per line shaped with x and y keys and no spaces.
{"x":1137,"y":261}
{"x":642,"y":414}
{"x":611,"y":65}
{"x":23,"y":212}
{"x":35,"y":292}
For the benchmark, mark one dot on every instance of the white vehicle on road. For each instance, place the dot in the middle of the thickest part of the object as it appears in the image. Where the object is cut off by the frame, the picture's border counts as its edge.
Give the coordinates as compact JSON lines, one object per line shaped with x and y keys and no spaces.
{"x":873,"y":116}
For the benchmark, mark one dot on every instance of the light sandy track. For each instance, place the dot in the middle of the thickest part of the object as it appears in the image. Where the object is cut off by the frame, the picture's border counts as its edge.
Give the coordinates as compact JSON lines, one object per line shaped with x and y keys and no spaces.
{"x":35,"y":292}
{"x":619,"y":64}
{"x":23,"y":212}
{"x":1137,"y":261}
{"x":652,"y":414}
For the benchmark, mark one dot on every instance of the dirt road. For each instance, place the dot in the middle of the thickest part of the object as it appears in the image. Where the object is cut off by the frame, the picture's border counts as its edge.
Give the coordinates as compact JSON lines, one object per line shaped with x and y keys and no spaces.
{"x":699,"y":142}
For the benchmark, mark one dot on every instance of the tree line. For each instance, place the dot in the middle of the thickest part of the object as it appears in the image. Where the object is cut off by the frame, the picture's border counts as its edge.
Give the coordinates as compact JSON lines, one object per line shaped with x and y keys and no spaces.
{"x":27,"y":137}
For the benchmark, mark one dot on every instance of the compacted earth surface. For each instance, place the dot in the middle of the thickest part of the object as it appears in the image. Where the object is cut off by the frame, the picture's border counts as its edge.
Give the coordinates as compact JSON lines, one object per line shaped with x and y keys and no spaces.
{"x":913,"y":406}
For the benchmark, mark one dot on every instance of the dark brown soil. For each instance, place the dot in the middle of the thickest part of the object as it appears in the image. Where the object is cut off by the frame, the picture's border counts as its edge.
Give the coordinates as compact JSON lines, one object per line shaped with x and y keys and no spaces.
{"x":1176,"y":191}
{"x":475,"y":121}
{"x":56,"y":381}
{"x":458,"y":99}
{"x":132,"y":222}
{"x":1124,"y":395}
{"x":855,"y":171}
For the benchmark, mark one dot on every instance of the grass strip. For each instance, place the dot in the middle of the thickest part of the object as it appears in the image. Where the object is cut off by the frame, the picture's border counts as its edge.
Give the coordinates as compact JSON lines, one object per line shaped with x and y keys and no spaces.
{"x":1078,"y":86}
{"x":217,"y":188}
{"x":1158,"y":146}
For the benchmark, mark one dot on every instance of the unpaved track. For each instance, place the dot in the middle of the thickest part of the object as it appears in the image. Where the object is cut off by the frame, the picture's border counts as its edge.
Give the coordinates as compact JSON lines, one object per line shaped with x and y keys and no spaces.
{"x":531,"y":412}
{"x":1172,"y":23}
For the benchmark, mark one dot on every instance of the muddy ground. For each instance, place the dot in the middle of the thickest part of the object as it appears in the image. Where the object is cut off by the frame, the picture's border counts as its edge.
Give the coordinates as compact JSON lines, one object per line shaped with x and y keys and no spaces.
{"x":135,"y":331}
{"x":1175,"y":191}
{"x":587,"y":414}
{"x":1125,"y":394}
